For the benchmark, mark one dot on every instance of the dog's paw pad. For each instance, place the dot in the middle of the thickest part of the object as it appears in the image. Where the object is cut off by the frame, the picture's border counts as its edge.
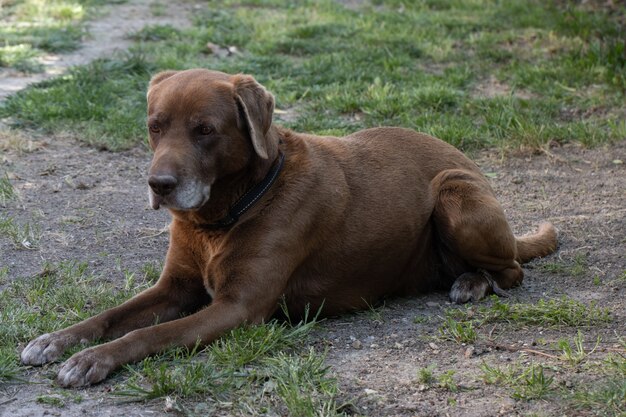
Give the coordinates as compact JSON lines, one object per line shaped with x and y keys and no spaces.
{"x":46,"y":348}
{"x":84,"y":368}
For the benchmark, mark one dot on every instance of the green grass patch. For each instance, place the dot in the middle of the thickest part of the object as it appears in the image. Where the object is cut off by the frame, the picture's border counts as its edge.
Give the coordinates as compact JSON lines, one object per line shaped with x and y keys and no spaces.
{"x":457,"y":331}
{"x":23,"y":236}
{"x":375,"y":312}
{"x":31,"y":28}
{"x":606,"y":397}
{"x":447,"y":382}
{"x":268,"y":366}
{"x":525,"y":382}
{"x":61,"y":295}
{"x":177,"y":372}
{"x":425,"y":375}
{"x":575,"y":353}
{"x":576,"y":267}
{"x":9,"y":369}
{"x":511,"y":74}
{"x":444,"y":380}
{"x":93,"y":101}
{"x":547,"y":313}
{"x":303,"y":384}
{"x":264,"y":367}
{"x":247,"y":344}
{"x":7,"y":192}
{"x":60,"y":398}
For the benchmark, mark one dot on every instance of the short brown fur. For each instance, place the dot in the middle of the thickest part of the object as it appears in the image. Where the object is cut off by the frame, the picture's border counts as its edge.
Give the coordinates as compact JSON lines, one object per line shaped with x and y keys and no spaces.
{"x":381,"y":212}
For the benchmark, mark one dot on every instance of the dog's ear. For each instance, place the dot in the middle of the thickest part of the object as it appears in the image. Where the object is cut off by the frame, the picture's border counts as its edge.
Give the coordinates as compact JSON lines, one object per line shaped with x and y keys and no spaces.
{"x":157,"y":78}
{"x":256,"y":106}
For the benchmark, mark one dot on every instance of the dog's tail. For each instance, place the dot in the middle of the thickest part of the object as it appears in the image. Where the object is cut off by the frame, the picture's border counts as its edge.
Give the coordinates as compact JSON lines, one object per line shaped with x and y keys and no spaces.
{"x":541,"y":243}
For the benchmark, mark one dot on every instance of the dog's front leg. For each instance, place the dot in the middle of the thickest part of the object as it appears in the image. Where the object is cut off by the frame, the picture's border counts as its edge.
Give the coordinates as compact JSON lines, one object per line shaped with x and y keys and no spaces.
{"x":167,"y":300}
{"x":94,"y":364}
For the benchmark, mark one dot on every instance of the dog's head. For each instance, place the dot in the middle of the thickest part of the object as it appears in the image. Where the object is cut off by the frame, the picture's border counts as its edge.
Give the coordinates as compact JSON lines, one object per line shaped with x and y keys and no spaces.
{"x":203,"y":125}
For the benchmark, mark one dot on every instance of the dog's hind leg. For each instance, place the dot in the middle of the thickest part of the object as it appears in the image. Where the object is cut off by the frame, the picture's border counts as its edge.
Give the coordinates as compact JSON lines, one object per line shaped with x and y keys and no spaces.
{"x":478,"y":246}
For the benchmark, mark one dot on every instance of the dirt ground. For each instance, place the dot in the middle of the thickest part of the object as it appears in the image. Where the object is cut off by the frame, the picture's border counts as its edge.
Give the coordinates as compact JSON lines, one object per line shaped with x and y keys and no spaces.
{"x":92,"y":206}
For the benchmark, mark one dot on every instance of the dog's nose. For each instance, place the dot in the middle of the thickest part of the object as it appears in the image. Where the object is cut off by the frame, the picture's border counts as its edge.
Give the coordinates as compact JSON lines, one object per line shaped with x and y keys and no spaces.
{"x":162,"y":184}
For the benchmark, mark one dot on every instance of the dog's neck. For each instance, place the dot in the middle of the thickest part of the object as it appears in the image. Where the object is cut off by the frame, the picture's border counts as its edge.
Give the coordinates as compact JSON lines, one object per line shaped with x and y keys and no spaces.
{"x":226,"y":191}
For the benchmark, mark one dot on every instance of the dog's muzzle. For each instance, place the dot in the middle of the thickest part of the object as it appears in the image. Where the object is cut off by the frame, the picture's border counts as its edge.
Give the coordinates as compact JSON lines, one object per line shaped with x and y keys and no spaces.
{"x":177,"y":193}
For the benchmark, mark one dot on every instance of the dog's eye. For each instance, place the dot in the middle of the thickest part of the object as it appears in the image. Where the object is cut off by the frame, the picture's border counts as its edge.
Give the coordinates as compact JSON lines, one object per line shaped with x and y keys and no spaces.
{"x":205,"y":130}
{"x":154,"y":129}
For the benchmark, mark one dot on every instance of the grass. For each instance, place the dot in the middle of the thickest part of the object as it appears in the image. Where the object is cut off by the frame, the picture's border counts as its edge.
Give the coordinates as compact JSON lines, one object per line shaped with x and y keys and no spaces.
{"x":297,"y":382}
{"x":32,"y":28}
{"x":576,"y":266}
{"x":24,"y":236}
{"x":518,"y":74}
{"x":575,"y":353}
{"x":7,"y":192}
{"x":259,"y":368}
{"x":444,"y":380}
{"x":93,"y":100}
{"x":457,"y":331}
{"x":510,"y":74}
{"x":303,"y":384}
{"x":425,"y":375}
{"x":525,"y":382}
{"x":267,"y":366}
{"x":9,"y":369}
{"x":16,"y":141}
{"x":447,"y":382}
{"x":60,"y":295}
{"x":606,"y":397}
{"x":60,"y":399}
{"x":174,"y":373}
{"x":547,"y":313}
{"x":375,"y":312}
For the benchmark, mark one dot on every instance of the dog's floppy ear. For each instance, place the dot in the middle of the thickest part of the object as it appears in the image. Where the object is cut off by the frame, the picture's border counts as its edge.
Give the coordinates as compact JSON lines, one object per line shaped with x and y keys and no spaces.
{"x":157,"y":78}
{"x":256,"y":106}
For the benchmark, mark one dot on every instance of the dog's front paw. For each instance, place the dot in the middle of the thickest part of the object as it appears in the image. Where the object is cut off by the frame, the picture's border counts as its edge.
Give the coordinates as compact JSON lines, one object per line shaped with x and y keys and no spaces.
{"x":87,"y":367}
{"x":46,"y":348}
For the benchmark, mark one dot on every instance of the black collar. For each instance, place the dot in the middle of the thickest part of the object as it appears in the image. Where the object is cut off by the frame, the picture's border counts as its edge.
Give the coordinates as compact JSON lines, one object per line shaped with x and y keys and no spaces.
{"x":248,"y":199}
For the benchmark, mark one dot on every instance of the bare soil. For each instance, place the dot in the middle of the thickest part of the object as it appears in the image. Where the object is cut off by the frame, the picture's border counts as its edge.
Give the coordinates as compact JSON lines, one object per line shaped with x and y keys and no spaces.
{"x":92,"y":206}
{"x":583,"y":193}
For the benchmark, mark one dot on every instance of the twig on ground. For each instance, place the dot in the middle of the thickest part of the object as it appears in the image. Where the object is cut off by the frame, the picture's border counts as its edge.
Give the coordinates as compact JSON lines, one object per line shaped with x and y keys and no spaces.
{"x":516,"y":349}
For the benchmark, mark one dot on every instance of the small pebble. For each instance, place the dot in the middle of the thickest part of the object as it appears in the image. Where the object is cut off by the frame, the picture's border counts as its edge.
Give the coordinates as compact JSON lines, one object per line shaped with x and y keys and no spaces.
{"x":507,"y":406}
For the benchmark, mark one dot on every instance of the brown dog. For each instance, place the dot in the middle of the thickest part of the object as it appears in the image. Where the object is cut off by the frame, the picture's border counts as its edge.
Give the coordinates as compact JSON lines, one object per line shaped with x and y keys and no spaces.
{"x":260,"y":212}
